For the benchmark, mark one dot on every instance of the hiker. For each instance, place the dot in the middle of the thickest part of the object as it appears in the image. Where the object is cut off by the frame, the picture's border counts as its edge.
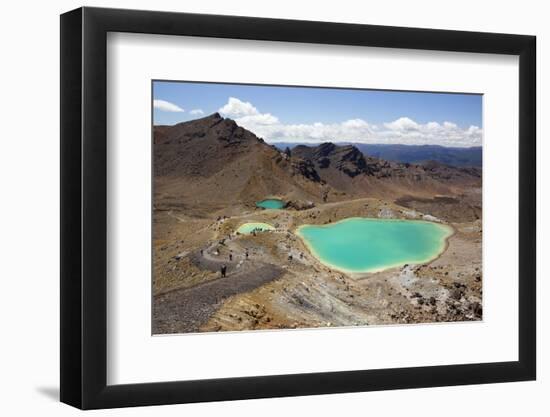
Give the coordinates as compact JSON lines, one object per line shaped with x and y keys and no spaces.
{"x":223,"y":270}
{"x":246,"y":254}
{"x":202,"y":252}
{"x":230,"y":257}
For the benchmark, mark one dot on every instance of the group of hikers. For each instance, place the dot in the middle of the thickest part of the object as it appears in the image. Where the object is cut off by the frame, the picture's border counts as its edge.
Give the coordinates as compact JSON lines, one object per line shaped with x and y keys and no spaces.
{"x":223,"y":268}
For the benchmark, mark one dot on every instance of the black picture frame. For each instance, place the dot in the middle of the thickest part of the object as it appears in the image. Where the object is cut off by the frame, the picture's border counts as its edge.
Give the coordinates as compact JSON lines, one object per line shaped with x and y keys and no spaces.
{"x":84,"y":207}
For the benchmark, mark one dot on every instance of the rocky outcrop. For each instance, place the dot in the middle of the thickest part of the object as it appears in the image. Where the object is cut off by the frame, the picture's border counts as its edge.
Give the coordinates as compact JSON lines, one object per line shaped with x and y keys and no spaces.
{"x":351,"y":161}
{"x":347,"y":159}
{"x":306,"y":169}
{"x":300,"y":205}
{"x":201,"y":147}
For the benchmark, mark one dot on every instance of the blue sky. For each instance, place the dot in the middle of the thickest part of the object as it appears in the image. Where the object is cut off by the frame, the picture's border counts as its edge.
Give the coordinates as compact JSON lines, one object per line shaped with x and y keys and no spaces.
{"x":317,"y":114}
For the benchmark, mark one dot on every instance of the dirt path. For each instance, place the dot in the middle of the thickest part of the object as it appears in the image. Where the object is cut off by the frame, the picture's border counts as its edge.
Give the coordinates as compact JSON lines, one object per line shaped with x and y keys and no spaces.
{"x":185,"y":310}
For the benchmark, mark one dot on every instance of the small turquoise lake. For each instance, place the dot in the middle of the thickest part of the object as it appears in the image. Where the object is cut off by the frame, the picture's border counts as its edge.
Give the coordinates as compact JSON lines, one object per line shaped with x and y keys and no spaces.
{"x":359,"y":245}
{"x":271,"y":203}
{"x":248,"y":228}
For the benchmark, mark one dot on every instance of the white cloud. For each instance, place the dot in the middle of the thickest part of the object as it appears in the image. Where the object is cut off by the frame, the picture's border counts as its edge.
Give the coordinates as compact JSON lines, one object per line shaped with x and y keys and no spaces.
{"x":166,"y":106}
{"x":400,"y":131}
{"x":403,"y":124}
{"x":236,"y":108}
{"x":258,"y":119}
{"x":407,"y":131}
{"x":196,"y":111}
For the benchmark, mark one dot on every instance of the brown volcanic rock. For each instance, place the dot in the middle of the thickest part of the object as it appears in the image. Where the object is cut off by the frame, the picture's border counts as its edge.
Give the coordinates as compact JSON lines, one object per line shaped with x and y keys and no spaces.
{"x":159,"y":133}
{"x":212,"y":160}
{"x":201,"y":147}
{"x":306,"y":168}
{"x":347,"y":159}
{"x":346,"y":168}
{"x":208,"y":173}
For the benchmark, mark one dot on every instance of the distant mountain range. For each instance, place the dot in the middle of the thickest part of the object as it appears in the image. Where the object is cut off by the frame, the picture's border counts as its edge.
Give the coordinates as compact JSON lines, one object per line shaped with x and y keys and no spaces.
{"x":414,"y":154}
{"x":212,"y":162}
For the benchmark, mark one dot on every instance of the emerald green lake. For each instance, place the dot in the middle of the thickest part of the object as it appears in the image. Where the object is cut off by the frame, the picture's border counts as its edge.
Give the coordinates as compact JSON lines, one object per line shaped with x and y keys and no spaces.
{"x":248,"y":228}
{"x":271,"y":203}
{"x":370,"y":245}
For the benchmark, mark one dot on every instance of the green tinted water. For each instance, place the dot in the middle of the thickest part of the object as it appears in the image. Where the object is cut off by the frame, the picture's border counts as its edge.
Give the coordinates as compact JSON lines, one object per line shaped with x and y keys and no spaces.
{"x":271,"y":203}
{"x":369,"y":245}
{"x":248,"y":228}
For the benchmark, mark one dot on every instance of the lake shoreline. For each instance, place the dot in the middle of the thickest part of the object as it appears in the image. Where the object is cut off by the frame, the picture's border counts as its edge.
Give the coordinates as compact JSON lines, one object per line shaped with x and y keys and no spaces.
{"x":324,"y":263}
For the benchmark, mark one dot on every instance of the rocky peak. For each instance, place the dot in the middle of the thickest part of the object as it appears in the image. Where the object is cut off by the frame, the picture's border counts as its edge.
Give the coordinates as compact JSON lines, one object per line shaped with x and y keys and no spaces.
{"x":351,"y":161}
{"x":347,"y":158}
{"x":325,"y":149}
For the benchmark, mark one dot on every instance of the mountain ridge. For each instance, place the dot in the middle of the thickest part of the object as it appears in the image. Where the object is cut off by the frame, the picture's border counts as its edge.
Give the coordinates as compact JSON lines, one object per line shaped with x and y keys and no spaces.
{"x":214,"y":158}
{"x":453,"y":156}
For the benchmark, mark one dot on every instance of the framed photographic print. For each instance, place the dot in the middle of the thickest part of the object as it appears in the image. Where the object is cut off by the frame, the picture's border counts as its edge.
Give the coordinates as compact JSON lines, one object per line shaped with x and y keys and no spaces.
{"x":256,"y":208}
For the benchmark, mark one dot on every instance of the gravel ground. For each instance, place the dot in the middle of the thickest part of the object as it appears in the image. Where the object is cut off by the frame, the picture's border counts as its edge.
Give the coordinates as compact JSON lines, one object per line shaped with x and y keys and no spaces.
{"x":185,"y":310}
